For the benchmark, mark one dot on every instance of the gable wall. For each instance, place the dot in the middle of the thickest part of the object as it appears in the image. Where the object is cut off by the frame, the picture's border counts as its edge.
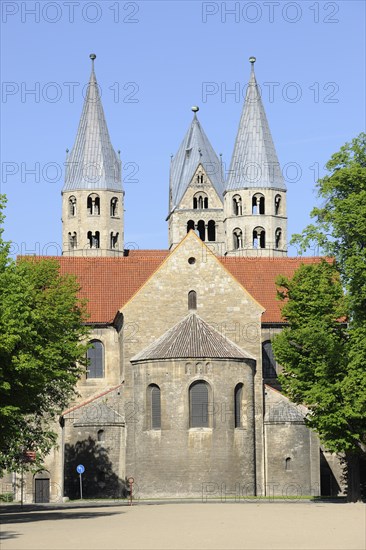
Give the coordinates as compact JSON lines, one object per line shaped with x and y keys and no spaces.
{"x":221,"y":302}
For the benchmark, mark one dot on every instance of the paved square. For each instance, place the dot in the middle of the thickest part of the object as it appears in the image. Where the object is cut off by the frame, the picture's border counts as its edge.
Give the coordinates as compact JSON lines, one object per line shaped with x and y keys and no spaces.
{"x":228,"y":525}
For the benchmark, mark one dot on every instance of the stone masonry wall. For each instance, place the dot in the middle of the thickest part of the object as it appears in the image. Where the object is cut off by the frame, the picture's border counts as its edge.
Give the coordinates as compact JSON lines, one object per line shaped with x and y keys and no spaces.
{"x":178,"y":460}
{"x":247,"y":222}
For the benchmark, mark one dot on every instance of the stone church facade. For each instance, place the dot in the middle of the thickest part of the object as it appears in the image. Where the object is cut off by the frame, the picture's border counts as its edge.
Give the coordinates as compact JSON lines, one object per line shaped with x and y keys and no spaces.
{"x":181,"y":390}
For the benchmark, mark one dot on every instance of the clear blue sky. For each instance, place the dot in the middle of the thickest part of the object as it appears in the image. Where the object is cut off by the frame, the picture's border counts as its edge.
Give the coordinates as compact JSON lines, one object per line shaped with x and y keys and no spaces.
{"x":162,"y":55}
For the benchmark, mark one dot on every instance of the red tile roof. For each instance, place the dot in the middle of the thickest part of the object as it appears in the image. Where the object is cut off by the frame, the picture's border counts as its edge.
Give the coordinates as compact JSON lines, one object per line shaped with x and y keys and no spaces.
{"x":258,"y":276}
{"x":108,"y":283}
{"x":91,"y":399}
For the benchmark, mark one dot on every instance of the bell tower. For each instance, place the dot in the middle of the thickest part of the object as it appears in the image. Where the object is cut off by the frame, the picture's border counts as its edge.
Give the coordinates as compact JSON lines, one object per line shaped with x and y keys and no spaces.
{"x":92,"y":196}
{"x":255,"y":215}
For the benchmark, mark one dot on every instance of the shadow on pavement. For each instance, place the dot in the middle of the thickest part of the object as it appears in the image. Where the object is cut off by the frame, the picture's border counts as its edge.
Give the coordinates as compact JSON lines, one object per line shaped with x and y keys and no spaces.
{"x":8,"y":535}
{"x":26,"y":517}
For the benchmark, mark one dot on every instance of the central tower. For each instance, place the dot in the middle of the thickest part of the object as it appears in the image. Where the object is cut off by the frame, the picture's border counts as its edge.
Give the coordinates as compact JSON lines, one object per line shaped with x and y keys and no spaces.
{"x":244,"y":215}
{"x":92,"y":197}
{"x":195,"y":190}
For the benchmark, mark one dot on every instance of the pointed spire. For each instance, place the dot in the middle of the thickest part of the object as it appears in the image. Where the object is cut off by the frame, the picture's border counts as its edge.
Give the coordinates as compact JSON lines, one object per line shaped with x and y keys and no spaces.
{"x":254,"y":162}
{"x":195,"y":149}
{"x":93,"y":163}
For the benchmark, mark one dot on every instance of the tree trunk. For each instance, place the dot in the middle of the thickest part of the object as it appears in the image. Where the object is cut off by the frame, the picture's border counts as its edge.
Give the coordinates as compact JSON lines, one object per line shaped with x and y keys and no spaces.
{"x":353,"y":477}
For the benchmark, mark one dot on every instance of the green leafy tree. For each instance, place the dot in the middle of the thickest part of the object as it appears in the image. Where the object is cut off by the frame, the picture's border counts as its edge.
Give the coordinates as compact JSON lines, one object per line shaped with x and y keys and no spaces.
{"x":340,"y":223}
{"x":324,"y":359}
{"x":313,"y":350}
{"x":41,"y":350}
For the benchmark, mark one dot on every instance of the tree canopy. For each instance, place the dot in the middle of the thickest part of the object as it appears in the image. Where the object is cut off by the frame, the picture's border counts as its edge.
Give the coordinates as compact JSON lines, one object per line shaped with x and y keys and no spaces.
{"x":340,"y":222}
{"x":323,"y":350}
{"x":41,"y":350}
{"x":314,"y":351}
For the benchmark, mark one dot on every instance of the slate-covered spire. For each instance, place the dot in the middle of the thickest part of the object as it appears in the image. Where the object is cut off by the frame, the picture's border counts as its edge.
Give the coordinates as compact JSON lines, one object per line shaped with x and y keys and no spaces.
{"x":93,"y":163}
{"x":195,"y":149}
{"x":254,"y":162}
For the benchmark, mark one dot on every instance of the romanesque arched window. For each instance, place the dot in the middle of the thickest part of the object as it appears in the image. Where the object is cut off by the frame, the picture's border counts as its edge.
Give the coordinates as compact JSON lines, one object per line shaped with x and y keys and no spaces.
{"x":73,"y":243}
{"x":277,"y":203}
{"x":269,"y":364}
{"x":237,"y":238}
{"x":201,"y":230}
{"x":288,"y":464}
{"x":198,"y":404}
{"x":95,"y":357}
{"x":93,"y":204}
{"x":114,"y":207}
{"x":211,"y":231}
{"x":114,"y":240}
{"x":278,"y":234}
{"x":154,"y":407}
{"x":100,"y":436}
{"x":258,"y":204}
{"x":199,"y":177}
{"x":237,"y":205}
{"x":192,"y":300}
{"x":97,"y":206}
{"x":72,"y":206}
{"x":259,"y":238}
{"x":238,"y":394}
{"x":200,"y":201}
{"x":190,"y":225}
{"x":94,"y":239}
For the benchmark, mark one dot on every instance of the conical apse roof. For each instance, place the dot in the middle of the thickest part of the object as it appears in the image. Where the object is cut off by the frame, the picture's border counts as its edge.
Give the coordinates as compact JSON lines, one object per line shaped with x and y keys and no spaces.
{"x":192,"y":338}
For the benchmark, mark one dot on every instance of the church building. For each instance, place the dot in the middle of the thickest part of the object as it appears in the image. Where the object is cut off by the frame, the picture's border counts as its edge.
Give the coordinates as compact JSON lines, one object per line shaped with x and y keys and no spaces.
{"x":181,"y":391}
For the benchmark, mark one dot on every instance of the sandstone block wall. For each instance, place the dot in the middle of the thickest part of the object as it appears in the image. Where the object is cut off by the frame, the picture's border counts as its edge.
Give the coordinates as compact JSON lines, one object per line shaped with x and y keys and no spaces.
{"x":178,"y":460}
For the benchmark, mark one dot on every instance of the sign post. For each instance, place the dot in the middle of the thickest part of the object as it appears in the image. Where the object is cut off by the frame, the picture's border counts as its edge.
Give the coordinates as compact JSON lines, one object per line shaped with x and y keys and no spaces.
{"x":80,"y":470}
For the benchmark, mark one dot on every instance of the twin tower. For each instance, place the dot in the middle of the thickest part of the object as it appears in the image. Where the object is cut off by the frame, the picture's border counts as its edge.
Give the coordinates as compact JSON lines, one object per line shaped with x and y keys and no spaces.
{"x":241,"y":213}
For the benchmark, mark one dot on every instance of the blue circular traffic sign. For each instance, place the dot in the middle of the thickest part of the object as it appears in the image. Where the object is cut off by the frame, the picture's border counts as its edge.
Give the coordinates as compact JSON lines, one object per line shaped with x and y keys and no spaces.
{"x":80,"y":469}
